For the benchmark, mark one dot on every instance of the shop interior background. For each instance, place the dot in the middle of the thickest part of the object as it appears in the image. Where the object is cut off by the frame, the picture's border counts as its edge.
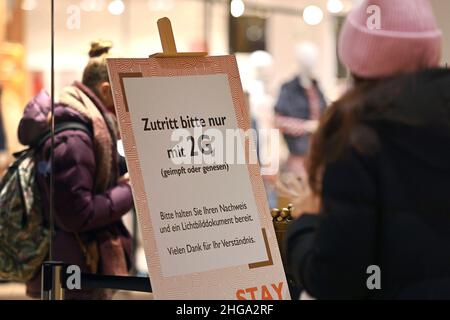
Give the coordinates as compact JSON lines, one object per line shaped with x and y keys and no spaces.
{"x":275,"y":26}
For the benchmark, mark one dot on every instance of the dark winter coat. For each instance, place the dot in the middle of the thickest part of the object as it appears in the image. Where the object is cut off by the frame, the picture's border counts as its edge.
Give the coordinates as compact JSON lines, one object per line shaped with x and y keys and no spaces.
{"x":80,"y":209}
{"x":390,"y":208}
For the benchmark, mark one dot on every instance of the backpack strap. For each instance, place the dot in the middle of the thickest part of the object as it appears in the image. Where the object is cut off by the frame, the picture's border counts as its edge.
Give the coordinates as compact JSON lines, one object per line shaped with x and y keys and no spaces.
{"x":65,"y":126}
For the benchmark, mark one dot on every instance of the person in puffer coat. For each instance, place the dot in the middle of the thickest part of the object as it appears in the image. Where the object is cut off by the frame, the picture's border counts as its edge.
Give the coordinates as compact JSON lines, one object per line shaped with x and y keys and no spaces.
{"x":375,"y":222}
{"x":90,"y":197}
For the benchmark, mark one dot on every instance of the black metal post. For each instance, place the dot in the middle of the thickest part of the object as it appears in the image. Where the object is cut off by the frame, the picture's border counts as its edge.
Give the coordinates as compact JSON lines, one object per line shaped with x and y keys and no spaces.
{"x":52,"y":281}
{"x":52,"y":147}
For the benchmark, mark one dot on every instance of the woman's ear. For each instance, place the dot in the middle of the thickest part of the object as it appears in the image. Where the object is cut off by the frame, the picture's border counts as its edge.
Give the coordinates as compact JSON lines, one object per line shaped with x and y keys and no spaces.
{"x":105,"y":89}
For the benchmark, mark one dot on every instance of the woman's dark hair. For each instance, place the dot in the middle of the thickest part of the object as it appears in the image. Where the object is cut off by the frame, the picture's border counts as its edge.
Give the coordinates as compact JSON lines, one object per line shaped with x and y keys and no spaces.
{"x":340,"y":127}
{"x":96,"y":70}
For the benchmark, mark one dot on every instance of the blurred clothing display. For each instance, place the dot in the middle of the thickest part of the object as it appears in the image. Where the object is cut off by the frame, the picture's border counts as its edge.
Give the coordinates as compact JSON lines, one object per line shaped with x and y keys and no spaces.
{"x":5,"y":158}
{"x":261,"y":102}
{"x":2,"y":130}
{"x":13,"y":78}
{"x":297,"y":112}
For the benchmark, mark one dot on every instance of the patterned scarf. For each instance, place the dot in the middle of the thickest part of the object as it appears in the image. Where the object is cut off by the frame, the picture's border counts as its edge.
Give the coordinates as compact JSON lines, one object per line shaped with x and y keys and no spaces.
{"x":74,"y":98}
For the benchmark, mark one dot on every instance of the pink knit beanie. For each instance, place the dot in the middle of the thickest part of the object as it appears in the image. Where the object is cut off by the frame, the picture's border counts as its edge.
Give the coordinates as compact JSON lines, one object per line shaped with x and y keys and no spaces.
{"x":382,"y":38}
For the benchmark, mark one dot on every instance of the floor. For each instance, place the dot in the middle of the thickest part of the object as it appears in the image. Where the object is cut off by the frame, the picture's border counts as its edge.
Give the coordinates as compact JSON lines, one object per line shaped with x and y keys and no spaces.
{"x":15,"y":291}
{"x":12,"y":291}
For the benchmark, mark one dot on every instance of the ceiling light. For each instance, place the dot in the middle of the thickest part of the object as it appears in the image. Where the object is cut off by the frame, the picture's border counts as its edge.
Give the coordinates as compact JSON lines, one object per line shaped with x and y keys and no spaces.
{"x":335,"y":6}
{"x":161,"y":5}
{"x":312,"y":15}
{"x":116,"y":7}
{"x":237,"y":8}
{"x":29,"y":5}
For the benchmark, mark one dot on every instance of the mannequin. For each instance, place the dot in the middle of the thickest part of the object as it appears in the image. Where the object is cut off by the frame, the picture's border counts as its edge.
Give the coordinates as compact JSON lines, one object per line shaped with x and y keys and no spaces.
{"x":306,"y":55}
{"x":300,"y":105}
{"x":261,"y":102}
{"x":261,"y":99}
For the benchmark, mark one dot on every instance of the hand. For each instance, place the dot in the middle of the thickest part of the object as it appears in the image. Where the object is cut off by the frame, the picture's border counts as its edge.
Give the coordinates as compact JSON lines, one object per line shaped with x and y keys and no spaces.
{"x":125,"y":179}
{"x":300,"y":195}
{"x":308,"y":203}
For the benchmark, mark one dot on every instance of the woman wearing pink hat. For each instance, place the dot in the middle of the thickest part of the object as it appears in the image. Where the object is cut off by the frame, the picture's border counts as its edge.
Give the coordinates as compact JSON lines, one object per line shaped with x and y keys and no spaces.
{"x":374,"y":221}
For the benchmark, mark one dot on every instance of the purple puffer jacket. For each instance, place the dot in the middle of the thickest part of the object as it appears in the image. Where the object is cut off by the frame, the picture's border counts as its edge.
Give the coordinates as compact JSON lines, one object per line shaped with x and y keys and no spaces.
{"x":78,"y":210}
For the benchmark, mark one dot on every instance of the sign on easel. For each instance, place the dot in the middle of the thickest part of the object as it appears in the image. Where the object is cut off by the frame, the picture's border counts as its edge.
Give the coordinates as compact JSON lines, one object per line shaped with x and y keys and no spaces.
{"x":203,"y":214}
